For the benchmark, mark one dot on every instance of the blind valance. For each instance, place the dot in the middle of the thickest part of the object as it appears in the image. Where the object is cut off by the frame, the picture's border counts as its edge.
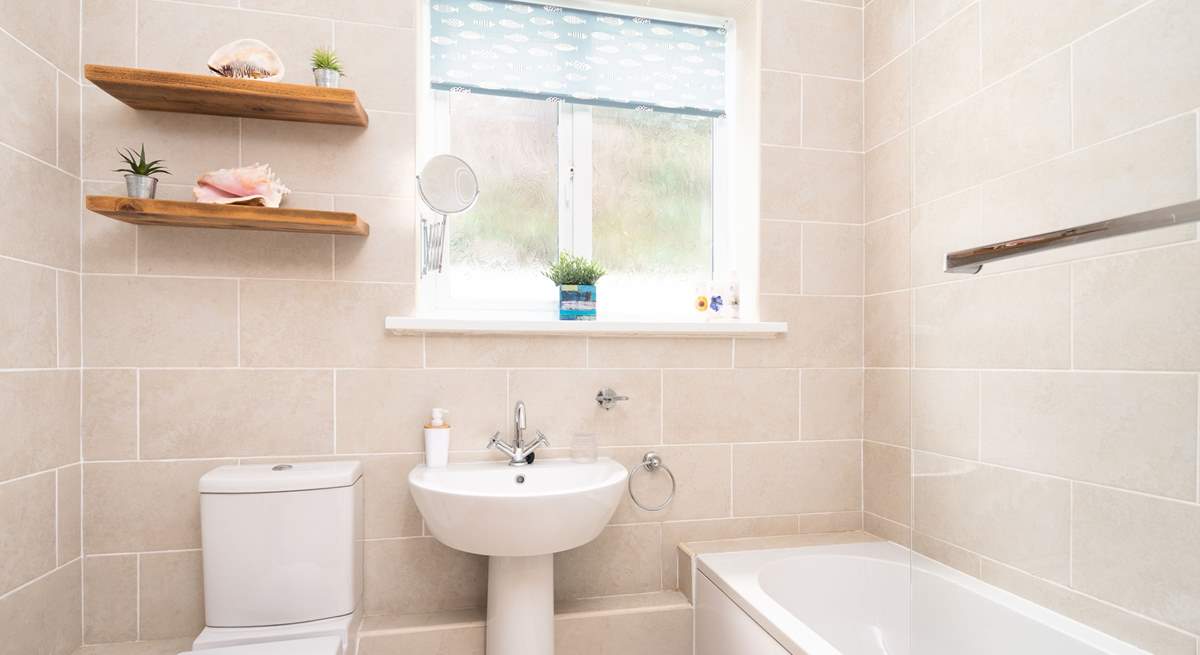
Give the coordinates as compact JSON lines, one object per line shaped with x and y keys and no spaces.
{"x":526,"y":50}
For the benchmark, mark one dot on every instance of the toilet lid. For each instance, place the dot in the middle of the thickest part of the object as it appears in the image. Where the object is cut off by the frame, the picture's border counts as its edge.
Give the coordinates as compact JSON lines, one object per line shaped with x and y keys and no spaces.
{"x":315,"y":646}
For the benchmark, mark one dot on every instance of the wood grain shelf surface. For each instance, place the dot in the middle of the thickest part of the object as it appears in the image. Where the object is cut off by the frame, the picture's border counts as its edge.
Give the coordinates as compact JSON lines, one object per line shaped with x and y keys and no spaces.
{"x":227,"y":217}
{"x":222,"y":96}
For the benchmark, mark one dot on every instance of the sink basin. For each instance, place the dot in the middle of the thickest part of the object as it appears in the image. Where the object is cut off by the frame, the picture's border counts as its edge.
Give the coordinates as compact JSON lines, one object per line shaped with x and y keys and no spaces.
{"x":491,"y":508}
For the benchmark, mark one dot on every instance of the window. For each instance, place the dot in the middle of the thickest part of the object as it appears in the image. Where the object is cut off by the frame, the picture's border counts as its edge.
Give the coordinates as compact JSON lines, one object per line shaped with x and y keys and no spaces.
{"x":634,"y":186}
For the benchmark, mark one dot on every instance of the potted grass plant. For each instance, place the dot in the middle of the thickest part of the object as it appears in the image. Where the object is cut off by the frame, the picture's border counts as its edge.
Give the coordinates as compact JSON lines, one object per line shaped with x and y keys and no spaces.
{"x":327,"y":69}
{"x":138,"y":172}
{"x":576,"y":280}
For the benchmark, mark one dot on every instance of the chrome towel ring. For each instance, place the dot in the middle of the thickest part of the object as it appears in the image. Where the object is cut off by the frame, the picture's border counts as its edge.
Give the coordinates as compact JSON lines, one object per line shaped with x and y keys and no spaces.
{"x":651,"y":462}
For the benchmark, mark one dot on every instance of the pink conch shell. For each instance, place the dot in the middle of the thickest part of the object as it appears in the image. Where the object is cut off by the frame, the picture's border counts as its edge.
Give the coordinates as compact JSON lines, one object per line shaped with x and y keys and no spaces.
{"x":249,"y":185}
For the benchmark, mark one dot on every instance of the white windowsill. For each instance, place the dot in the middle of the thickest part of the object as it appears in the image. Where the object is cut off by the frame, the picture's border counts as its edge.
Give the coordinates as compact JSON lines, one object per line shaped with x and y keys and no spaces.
{"x":548,"y":326}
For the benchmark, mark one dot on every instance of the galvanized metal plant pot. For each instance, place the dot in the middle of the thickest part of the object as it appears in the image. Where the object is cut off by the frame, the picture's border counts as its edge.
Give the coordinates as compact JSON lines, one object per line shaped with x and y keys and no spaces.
{"x":140,"y":186}
{"x":327,"y":78}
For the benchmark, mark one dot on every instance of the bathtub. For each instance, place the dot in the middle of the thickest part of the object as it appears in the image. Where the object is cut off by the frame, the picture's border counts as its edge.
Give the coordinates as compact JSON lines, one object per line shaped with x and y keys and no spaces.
{"x":856,"y":599}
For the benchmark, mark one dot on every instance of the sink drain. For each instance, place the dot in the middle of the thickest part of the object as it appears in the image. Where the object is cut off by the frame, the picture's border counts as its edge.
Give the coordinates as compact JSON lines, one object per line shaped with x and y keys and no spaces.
{"x":520,"y":479}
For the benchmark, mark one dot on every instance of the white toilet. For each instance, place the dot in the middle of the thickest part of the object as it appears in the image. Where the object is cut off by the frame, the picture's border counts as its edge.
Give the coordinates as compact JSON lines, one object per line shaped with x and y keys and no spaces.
{"x":282,"y":559}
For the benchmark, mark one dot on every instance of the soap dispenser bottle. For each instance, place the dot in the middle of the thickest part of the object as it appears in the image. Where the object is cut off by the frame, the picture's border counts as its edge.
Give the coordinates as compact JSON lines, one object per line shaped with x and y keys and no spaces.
{"x":437,"y":439}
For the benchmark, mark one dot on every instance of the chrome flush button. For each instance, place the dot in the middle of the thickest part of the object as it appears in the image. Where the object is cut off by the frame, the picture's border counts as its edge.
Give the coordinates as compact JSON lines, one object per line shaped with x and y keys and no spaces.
{"x":281,"y":467}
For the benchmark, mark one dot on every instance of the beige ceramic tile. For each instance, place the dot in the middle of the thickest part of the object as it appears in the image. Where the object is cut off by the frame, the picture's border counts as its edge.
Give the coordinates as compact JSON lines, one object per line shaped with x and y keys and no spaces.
{"x":562,"y":402}
{"x":822,"y":332}
{"x":810,"y":37}
{"x":831,"y":404}
{"x":888,"y":329}
{"x":141,"y":506}
{"x":945,"y":412}
{"x":403,"y":576}
{"x":234,"y":253}
{"x":28,"y":326}
{"x":29,"y":89}
{"x":389,"y":254}
{"x":942,"y":226}
{"x":68,"y":319}
{"x":142,"y":321}
{"x":41,"y":421}
{"x":46,"y":231}
{"x":155,"y":647}
{"x":1138,"y":311}
{"x":49,"y":28}
{"x":886,"y":96}
{"x":1130,"y":430}
{"x":782,"y":108}
{"x":323,"y":324}
{"x":1016,"y":320}
{"x":1136,"y":70}
{"x":110,"y":598}
{"x":888,"y":31}
{"x":887,"y":254}
{"x":380,"y":65}
{"x":68,"y":501}
{"x":877,"y":525}
{"x":931,"y":13}
{"x":678,"y":532}
{"x":108,"y":246}
{"x":452,"y":640}
{"x":109,"y":34}
{"x":796,"y":478}
{"x":781,"y":258}
{"x":387,"y":505}
{"x":442,"y":351}
{"x":70,"y":107}
{"x":701,"y":483}
{"x":170,"y":594}
{"x":832,"y":257}
{"x":44,"y":617}
{"x":886,"y":405}
{"x":109,"y":429}
{"x":811,"y":185}
{"x":886,"y":479}
{"x":394,"y":13}
{"x":269,"y":412}
{"x":624,"y":559}
{"x":888,"y":186}
{"x":1016,"y":518}
{"x":633,"y":352}
{"x":945,"y":66}
{"x":722,"y":406}
{"x":948,"y":554}
{"x":667,"y":632}
{"x":1138,"y":552}
{"x":27,"y":523}
{"x":833,"y":113}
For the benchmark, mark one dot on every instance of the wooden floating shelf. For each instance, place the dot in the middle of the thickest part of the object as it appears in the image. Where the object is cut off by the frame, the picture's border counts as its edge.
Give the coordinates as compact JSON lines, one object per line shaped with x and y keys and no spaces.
{"x":226,"y":217}
{"x":222,"y":96}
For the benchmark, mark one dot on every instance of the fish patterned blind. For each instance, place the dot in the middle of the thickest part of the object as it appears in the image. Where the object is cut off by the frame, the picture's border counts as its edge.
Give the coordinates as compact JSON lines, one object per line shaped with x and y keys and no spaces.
{"x":545,"y":52}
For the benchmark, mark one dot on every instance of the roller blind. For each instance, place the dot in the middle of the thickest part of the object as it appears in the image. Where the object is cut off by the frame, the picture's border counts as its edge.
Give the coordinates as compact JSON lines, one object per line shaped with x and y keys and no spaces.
{"x":546,"y":52}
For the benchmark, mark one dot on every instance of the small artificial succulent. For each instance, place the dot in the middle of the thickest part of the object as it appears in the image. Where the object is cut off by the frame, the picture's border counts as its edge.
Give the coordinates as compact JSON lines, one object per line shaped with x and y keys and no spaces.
{"x":136,"y":164}
{"x":326,"y":59}
{"x":574,"y":270}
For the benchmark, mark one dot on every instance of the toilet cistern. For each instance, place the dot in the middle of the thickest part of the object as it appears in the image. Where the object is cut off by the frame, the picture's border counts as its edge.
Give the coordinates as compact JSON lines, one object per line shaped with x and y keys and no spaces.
{"x":518,"y":453}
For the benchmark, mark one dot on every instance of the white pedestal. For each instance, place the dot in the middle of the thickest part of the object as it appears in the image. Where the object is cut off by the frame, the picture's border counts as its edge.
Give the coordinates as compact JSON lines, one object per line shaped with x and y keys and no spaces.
{"x":520,"y":605}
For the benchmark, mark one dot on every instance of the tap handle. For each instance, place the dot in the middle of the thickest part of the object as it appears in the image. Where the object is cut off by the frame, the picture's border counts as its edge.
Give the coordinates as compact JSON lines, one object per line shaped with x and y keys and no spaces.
{"x":542,"y":438}
{"x":494,"y":440}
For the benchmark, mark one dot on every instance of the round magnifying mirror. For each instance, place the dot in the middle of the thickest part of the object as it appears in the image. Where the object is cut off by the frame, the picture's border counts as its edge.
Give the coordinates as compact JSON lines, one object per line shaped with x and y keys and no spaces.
{"x":448,"y":185}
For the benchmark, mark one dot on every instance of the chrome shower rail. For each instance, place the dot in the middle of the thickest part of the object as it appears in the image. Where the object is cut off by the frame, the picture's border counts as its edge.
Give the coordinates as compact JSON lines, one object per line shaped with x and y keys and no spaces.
{"x":971,"y":260}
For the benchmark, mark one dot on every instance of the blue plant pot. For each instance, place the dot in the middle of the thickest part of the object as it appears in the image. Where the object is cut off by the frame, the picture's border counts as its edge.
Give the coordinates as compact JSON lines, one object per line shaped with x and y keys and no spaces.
{"x":577,"y":302}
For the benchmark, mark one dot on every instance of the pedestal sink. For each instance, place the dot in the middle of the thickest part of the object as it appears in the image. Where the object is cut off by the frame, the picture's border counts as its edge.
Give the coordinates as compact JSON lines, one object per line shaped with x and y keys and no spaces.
{"x":519,"y":517}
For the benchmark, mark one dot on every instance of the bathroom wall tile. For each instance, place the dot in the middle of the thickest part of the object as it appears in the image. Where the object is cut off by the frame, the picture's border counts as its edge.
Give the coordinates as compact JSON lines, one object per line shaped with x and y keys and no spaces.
{"x":885,"y":529}
{"x":381,"y":62}
{"x":945,"y":66}
{"x":27,"y":523}
{"x":886,"y":478}
{"x":28,"y":326}
{"x":67,"y":501}
{"x":1138,"y":311}
{"x":1148,"y":635}
{"x":1016,"y":320}
{"x":1134,"y":431}
{"x":886,"y":406}
{"x":886,"y":102}
{"x":503,"y":351}
{"x":109,"y":32}
{"x":833,"y":113}
{"x":831,"y":404}
{"x":810,"y":37}
{"x":822,"y":332}
{"x":561,"y":402}
{"x":404,"y":576}
{"x":389,"y":254}
{"x":171,"y":594}
{"x":888,"y":187}
{"x":394,"y":13}
{"x":811,"y":185}
{"x":624,"y":559}
{"x":888,"y":329}
{"x":888,"y":27}
{"x":634,"y":352}
{"x":1012,"y":517}
{"x":44,"y":617}
{"x":233,"y":253}
{"x":49,"y":28}
{"x":832,"y":258}
{"x":41,"y":421}
{"x":142,"y":506}
{"x":723,"y":406}
{"x":796,"y":478}
{"x":678,"y":532}
{"x":701,"y":478}
{"x":781,"y":259}
{"x":456,"y":639}
{"x":388,"y":507}
{"x":155,"y":647}
{"x":324,"y":324}
{"x":664,"y":632}
{"x":782,"y":108}
{"x":1135,"y":70}
{"x":109,"y":428}
{"x":942,"y":226}
{"x":46,"y":230}
{"x":267,"y":412}
{"x":144,"y":321}
{"x":70,"y":108}
{"x":945,"y":412}
{"x":1138,"y":552}
{"x":378,"y":161}
{"x":110,"y":598}
{"x":68,"y":319}
{"x":385,"y":410}
{"x":823,"y":522}
{"x":948,"y":554}
{"x":108,"y":246}
{"x":887,"y":254}
{"x":28,"y":90}
{"x":931,"y":13}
